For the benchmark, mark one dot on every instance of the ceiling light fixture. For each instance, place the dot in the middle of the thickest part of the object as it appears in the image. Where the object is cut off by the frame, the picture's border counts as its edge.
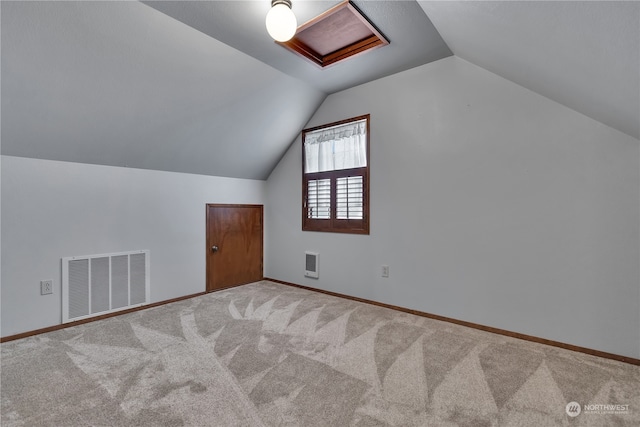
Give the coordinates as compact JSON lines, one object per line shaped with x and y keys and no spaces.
{"x":281,"y":21}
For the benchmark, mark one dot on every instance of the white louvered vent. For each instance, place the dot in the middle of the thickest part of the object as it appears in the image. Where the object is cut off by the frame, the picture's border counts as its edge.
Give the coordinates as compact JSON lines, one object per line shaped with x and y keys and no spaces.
{"x":311,"y":264}
{"x":98,"y":284}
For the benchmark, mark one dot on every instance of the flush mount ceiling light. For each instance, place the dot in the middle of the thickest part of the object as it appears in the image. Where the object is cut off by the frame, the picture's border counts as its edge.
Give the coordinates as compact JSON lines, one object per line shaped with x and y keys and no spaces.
{"x":281,"y":22}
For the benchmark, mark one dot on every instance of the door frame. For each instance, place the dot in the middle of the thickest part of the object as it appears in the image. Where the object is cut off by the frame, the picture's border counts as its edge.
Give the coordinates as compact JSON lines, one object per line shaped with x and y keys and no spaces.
{"x":208,"y":243}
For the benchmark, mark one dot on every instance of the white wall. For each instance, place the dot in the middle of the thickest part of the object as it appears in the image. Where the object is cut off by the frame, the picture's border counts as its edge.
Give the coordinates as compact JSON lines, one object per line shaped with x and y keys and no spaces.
{"x":490,"y":204}
{"x":55,"y":209}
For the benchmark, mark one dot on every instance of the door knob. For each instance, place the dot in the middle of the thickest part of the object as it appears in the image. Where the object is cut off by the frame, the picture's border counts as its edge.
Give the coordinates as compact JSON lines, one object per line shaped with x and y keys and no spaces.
{"x":214,"y":248}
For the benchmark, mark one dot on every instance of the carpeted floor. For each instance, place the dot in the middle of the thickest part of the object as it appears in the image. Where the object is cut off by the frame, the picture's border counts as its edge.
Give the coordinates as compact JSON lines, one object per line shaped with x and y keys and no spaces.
{"x":267,"y":354}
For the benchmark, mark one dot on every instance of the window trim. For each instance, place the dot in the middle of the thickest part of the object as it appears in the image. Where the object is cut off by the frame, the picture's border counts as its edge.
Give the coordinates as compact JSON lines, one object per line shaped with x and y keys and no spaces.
{"x":334,"y":225}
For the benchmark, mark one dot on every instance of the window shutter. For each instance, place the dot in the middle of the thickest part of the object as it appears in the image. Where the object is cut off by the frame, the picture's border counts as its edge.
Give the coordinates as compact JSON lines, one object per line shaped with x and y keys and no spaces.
{"x":319,"y":199}
{"x":349,"y":197}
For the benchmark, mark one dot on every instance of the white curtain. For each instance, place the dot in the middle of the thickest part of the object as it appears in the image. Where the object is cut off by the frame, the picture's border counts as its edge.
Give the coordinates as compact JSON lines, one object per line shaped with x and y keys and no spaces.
{"x":336,"y":148}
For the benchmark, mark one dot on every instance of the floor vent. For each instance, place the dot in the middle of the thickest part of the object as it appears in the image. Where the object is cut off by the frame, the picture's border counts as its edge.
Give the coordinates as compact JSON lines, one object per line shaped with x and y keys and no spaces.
{"x":98,"y":284}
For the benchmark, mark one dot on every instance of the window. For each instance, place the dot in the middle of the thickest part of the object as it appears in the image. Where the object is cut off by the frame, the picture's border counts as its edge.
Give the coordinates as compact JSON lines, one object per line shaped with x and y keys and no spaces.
{"x":335,"y":177}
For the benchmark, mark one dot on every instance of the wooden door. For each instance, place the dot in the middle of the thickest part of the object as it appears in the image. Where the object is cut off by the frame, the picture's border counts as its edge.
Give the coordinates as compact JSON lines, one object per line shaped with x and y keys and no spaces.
{"x":234,"y":245}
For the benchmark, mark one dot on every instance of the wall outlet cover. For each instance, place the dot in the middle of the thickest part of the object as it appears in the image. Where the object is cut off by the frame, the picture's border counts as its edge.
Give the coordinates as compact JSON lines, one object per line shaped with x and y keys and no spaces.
{"x":385,"y":271}
{"x":46,"y":287}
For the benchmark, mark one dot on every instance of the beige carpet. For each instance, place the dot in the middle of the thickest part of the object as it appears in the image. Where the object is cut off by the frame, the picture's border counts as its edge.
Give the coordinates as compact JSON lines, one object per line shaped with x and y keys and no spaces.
{"x":273,"y":355}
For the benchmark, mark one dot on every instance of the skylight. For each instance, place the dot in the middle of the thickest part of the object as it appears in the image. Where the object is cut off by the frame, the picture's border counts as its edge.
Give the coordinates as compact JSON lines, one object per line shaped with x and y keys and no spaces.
{"x":337,"y":34}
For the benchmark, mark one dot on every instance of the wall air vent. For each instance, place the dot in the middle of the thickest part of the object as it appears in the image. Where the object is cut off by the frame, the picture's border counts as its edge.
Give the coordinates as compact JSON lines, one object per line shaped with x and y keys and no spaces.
{"x":93,"y":285}
{"x":311,"y":264}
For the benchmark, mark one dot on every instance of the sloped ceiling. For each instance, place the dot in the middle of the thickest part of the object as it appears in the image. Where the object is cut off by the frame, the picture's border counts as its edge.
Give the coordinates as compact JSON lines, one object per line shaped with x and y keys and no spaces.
{"x":199,"y":87}
{"x":582,"y":54}
{"x":164,"y":85}
{"x":122,"y":84}
{"x":240,"y":24}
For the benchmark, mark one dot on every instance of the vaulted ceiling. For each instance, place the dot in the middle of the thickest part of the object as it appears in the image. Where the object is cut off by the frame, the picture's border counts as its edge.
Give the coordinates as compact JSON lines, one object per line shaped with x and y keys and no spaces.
{"x":199,"y":87}
{"x":583,"y":54}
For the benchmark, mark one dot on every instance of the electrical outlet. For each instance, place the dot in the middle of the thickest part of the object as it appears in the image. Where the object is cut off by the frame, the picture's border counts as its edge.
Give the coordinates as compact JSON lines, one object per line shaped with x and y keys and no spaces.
{"x":46,"y":287}
{"x":385,"y":271}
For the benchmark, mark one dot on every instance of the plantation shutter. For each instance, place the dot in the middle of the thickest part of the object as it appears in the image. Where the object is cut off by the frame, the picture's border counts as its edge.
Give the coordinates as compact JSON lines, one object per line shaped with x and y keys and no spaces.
{"x":319,"y":199}
{"x":349,"y":195}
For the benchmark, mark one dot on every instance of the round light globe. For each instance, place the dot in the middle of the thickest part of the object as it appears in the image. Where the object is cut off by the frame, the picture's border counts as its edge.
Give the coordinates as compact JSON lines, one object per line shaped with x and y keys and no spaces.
{"x":281,"y":23}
